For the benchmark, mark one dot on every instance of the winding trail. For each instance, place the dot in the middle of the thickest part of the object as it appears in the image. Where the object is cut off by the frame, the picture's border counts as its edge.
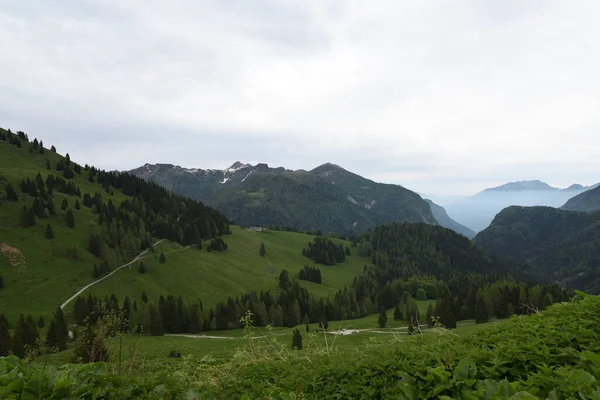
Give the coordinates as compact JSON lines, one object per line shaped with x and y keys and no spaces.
{"x":139,"y":257}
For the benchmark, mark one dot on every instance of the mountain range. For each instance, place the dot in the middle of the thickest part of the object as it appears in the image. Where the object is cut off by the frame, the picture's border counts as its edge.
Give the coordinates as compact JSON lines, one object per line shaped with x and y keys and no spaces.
{"x":478,"y":211}
{"x":327,"y":198}
{"x":587,"y":201}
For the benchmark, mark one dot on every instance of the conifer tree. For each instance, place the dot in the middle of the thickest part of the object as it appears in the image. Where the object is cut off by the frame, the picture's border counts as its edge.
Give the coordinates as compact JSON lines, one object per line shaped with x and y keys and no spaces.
{"x":430,"y":315}
{"x":80,"y":310}
{"x":297,"y":340}
{"x":142,"y":268}
{"x":5,"y":340}
{"x":53,"y":149}
{"x":307,"y":328}
{"x":70,"y":218}
{"x":48,"y":166}
{"x":11,"y":195}
{"x":95,"y":245}
{"x":64,"y":204}
{"x":262,"y":251}
{"x":162,"y":259}
{"x":481,"y":310}
{"x":382,"y":320}
{"x":77,"y":206}
{"x":144,"y":297}
{"x":27,"y":217}
{"x":445,"y":313}
{"x":41,"y":322}
{"x":156,"y":322}
{"x":1,"y":282}
{"x":49,"y":232}
{"x":398,"y":313}
{"x":58,"y":332}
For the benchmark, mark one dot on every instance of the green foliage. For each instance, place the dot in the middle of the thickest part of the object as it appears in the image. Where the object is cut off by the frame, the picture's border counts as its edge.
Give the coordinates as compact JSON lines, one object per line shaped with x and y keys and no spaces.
{"x":262,"y":251}
{"x":324,"y":251}
{"x":162,"y":259}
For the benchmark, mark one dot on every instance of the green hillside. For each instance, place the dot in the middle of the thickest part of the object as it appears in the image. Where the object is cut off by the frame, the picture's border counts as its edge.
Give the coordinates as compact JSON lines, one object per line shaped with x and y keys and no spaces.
{"x":40,"y":272}
{"x":213,"y":276}
{"x":561,"y":246}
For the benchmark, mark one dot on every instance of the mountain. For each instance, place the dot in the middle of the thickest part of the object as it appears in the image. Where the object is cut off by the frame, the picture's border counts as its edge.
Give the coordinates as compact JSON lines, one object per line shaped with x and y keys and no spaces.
{"x":478,"y":211}
{"x":327,"y":198}
{"x":563,"y":246}
{"x":587,"y":201}
{"x":441,"y":216}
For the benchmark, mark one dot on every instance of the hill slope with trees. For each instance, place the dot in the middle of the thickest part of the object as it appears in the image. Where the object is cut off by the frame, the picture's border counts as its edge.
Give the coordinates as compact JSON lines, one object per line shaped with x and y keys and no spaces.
{"x":587,"y":201}
{"x":59,"y":220}
{"x":563,"y":246}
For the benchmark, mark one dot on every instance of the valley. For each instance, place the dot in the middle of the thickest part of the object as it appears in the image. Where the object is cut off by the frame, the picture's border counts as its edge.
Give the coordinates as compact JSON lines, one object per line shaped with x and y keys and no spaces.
{"x":139,"y":275}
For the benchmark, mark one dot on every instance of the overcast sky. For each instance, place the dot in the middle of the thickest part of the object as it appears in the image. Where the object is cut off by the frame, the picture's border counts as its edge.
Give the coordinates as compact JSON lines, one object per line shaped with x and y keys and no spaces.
{"x":438,"y":96}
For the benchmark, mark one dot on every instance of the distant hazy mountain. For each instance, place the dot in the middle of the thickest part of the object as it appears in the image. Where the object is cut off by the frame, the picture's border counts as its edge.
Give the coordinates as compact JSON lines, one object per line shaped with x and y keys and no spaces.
{"x":444,"y":220}
{"x":328,"y":198}
{"x":563,"y":246}
{"x":587,"y":201}
{"x":478,"y":211}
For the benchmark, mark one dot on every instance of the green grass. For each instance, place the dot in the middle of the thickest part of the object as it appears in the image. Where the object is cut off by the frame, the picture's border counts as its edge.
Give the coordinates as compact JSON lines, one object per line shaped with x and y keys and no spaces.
{"x":158,"y":347}
{"x":213,"y":276}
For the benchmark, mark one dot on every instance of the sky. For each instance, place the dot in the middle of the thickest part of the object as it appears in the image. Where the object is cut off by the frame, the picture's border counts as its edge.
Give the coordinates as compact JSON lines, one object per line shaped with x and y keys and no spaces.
{"x":442,"y":97}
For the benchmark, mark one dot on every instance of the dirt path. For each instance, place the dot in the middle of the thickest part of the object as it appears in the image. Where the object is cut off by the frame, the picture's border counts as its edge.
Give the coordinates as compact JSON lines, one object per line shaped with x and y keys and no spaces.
{"x":139,"y":257}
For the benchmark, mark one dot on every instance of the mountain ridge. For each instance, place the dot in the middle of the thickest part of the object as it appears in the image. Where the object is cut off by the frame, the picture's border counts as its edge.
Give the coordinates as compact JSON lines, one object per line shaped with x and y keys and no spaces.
{"x":327,"y":198}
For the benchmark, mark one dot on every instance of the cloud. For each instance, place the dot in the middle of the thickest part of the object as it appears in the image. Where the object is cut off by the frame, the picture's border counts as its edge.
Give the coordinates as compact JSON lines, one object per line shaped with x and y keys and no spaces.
{"x":437,"y":96}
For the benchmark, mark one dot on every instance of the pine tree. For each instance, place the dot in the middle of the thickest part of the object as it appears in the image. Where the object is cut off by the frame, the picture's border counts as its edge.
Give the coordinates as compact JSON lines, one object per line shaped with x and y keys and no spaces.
{"x":162,"y":259}
{"x":11,"y":195}
{"x":81,"y":310}
{"x":144,"y":297}
{"x":382,"y":320}
{"x":77,"y":206}
{"x":445,"y":313}
{"x":53,"y":149}
{"x":398,"y":313}
{"x":5,"y":340}
{"x":142,"y":268}
{"x":1,"y":282}
{"x":49,"y":232}
{"x":26,"y":217}
{"x":41,"y":322}
{"x":95,"y":245}
{"x":307,"y":328}
{"x":262,"y":251}
{"x":156,"y":322}
{"x":64,"y":204}
{"x":430,"y":315}
{"x":48,"y":166}
{"x":70,"y":218}
{"x":58,"y":332}
{"x":297,"y":340}
{"x":481,"y":310}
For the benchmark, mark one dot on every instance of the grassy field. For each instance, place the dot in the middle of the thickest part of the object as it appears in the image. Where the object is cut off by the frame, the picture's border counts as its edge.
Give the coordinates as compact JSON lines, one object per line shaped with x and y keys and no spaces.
{"x":221,"y":345}
{"x":212,"y":276}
